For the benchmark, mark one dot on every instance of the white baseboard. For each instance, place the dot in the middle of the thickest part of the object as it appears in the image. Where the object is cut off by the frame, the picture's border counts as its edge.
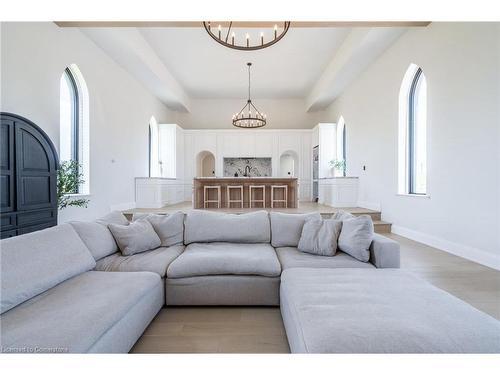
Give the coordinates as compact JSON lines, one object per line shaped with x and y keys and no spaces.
{"x":122,"y":206}
{"x":476,"y":255}
{"x":369,"y":205}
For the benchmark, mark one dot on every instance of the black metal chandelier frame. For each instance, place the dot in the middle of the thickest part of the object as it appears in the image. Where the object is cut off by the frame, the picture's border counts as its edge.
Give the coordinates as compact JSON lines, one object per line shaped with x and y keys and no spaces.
{"x":245,"y":118}
{"x":230,"y":42}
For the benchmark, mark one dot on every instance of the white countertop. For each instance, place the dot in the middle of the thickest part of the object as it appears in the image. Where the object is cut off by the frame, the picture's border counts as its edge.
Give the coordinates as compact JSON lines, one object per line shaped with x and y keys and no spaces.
{"x":245,"y":178}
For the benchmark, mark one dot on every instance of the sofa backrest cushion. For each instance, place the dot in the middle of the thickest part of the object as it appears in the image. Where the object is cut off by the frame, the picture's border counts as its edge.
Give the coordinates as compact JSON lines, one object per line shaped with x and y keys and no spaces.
{"x":97,"y":236}
{"x":35,"y":262}
{"x":287,"y":228}
{"x":205,"y":226}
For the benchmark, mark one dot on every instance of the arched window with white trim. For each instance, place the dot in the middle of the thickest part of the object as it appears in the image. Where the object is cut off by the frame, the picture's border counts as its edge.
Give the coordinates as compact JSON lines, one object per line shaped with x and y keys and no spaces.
{"x":74,"y":123}
{"x":341,"y":142}
{"x":154,"y":149}
{"x":412,"y":150}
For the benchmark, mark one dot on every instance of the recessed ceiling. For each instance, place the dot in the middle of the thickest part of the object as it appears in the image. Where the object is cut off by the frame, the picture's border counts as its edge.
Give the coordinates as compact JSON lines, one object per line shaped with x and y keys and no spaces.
{"x":205,"y":69}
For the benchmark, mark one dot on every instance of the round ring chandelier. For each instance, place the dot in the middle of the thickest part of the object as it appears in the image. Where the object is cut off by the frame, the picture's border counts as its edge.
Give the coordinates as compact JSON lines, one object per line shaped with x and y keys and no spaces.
{"x":249,"y":117}
{"x":222,"y":34}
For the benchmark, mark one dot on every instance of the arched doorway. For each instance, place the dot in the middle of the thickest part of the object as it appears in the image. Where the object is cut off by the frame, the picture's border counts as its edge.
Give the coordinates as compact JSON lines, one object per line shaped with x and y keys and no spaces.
{"x":205,"y":164}
{"x":289,"y":164}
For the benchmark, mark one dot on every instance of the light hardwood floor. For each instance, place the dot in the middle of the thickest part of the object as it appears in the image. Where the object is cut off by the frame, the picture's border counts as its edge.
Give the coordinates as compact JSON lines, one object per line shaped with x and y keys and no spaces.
{"x":260,"y":329}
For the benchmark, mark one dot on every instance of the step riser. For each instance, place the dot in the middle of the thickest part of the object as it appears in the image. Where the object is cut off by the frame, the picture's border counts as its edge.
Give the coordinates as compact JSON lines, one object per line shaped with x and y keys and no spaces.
{"x":382,"y":228}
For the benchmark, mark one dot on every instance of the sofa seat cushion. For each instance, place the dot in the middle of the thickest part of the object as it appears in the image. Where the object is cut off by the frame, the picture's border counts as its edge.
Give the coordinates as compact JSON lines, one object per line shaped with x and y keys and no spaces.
{"x":35,"y":262}
{"x":222,"y":258}
{"x":379,"y":311}
{"x":291,"y":257}
{"x":75,"y":314}
{"x":156,"y":261}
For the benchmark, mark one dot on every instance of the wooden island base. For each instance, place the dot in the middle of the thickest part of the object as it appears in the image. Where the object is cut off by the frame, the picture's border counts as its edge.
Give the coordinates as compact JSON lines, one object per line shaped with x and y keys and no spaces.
{"x":246,"y":182}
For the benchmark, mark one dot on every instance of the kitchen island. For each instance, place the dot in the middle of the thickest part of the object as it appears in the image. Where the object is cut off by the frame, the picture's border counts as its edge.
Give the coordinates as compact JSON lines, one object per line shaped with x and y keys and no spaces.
{"x":199,"y":184}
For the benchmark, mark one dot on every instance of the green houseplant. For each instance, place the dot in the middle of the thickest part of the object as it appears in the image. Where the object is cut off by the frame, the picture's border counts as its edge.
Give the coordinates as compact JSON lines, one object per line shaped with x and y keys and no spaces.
{"x":69,"y":178}
{"x":338,"y":165}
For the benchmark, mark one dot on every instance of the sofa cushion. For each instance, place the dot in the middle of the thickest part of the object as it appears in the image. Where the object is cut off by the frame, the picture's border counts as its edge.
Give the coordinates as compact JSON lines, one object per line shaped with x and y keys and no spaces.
{"x":342,"y":215}
{"x":156,"y":261}
{"x":206,"y":226}
{"x":114,"y":217}
{"x":136,"y":237}
{"x":96,"y":234}
{"x":291,"y":257}
{"x":222,"y":258}
{"x":356,"y":236}
{"x":287,"y":228}
{"x":320,"y":236}
{"x":75,"y":314}
{"x":34,"y":262}
{"x":170,"y":228}
{"x":96,"y":237}
{"x":379,"y":311}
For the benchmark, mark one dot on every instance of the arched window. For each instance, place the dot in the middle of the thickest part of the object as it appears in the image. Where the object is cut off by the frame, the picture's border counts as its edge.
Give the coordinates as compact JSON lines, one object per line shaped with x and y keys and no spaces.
{"x":73,"y":123}
{"x":154,"y":149}
{"x":413,"y":132}
{"x":341,"y":142}
{"x":162,"y":149}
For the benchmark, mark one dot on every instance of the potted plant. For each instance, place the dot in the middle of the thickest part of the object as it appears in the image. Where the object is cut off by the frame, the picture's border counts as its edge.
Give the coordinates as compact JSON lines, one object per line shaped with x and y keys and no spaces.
{"x":69,"y":178}
{"x":338,"y":165}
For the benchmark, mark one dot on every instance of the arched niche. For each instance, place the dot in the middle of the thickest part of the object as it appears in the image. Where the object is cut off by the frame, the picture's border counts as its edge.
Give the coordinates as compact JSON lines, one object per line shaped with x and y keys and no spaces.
{"x":205,"y":164}
{"x":289,"y":164}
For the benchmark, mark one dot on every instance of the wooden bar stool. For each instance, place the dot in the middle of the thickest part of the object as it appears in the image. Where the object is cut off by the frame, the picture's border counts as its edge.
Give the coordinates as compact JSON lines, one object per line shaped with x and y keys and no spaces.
{"x":257,"y":187}
{"x":206,"y":195}
{"x":229,"y":200}
{"x":285,"y":193}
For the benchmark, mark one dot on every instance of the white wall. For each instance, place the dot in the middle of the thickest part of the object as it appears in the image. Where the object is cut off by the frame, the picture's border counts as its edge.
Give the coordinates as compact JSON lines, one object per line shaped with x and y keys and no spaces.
{"x":217,"y":113}
{"x":461,"y":64}
{"x":34,"y":55}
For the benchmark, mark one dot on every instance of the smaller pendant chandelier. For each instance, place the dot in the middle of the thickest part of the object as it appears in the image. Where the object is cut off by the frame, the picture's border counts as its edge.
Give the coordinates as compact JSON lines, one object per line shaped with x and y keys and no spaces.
{"x":249,"y":117}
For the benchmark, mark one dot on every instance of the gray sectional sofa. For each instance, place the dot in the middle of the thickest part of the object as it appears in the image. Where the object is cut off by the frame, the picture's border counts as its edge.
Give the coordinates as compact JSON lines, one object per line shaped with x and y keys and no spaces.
{"x":70,"y":289}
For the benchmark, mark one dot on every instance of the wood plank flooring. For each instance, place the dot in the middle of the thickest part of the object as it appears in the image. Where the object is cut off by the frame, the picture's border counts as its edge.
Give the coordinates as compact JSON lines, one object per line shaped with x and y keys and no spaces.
{"x":260,"y":329}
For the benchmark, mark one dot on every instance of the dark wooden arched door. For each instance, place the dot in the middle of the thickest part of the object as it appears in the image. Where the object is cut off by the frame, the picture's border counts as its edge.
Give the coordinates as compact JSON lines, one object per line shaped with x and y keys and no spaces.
{"x":28,"y":181}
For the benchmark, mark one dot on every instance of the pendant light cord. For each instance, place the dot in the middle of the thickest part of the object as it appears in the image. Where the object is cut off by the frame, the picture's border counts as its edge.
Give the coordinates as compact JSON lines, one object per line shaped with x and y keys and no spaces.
{"x":249,"y":65}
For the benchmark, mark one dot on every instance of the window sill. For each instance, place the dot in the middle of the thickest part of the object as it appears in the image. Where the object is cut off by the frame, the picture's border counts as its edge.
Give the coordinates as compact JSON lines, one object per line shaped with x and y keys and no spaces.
{"x":414,"y":195}
{"x":77,"y":195}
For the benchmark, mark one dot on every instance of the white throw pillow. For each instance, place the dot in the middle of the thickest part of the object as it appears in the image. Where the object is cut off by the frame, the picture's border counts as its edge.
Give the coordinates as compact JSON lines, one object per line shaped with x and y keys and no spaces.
{"x":320,"y":236}
{"x":342,"y":215}
{"x":170,"y":228}
{"x":356,"y":237}
{"x":136,"y":237}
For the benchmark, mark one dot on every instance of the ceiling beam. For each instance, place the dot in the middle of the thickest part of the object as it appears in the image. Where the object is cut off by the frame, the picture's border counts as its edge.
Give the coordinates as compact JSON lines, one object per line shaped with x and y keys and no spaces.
{"x":357,"y":52}
{"x":256,"y":24}
{"x":132,"y":52}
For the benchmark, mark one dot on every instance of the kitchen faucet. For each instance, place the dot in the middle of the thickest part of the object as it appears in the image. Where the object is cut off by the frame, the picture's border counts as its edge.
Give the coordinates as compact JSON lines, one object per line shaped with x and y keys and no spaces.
{"x":247,"y":174}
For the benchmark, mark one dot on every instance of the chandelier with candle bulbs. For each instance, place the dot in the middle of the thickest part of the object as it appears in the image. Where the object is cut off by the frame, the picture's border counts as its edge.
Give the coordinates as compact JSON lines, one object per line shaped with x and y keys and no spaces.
{"x":265,"y":36}
{"x":249,"y":117}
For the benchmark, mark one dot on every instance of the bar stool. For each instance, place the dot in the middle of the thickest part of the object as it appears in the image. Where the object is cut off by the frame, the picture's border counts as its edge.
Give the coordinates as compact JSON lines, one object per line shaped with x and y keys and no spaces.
{"x":237,"y":188}
{"x":285,"y":193}
{"x":206,"y":195}
{"x":263,"y":200}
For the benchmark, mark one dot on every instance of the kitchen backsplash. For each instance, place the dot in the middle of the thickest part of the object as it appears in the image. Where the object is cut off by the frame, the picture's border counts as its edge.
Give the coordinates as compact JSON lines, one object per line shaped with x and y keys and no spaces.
{"x":259,"y":167}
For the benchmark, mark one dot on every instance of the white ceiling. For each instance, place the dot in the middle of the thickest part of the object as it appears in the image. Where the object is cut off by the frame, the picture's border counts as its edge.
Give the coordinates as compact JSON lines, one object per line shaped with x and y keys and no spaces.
{"x":206,"y":69}
{"x":181,"y":63}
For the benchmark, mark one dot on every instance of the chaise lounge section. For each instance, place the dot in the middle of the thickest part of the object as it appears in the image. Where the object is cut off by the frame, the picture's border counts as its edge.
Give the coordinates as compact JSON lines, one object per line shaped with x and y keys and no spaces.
{"x":379,"y":311}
